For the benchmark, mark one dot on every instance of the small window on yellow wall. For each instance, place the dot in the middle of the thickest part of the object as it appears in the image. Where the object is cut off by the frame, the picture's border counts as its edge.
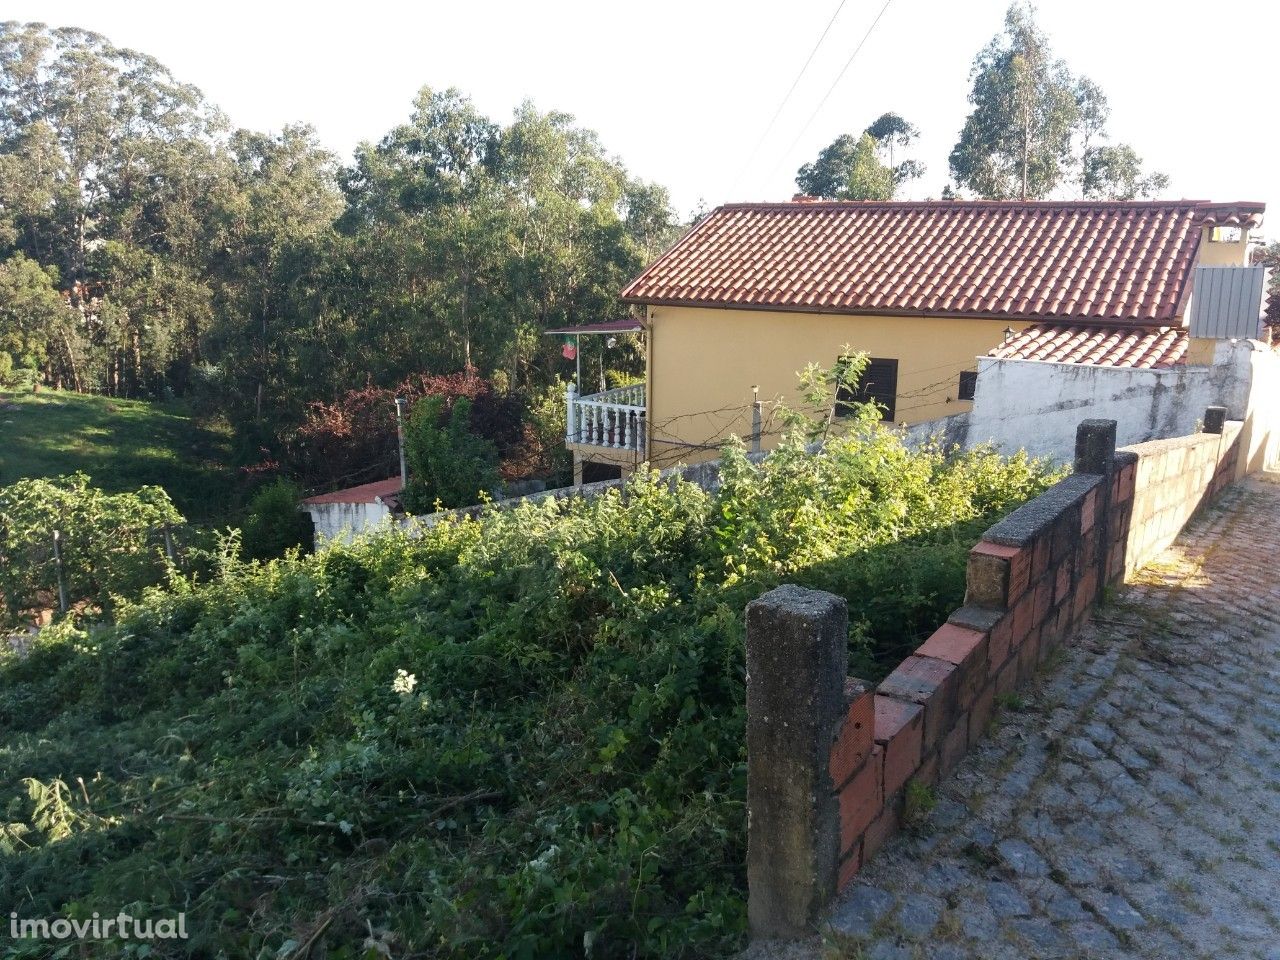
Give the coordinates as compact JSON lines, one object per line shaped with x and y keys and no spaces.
{"x":968,"y":383}
{"x":1225,"y":235}
{"x":879,"y":383}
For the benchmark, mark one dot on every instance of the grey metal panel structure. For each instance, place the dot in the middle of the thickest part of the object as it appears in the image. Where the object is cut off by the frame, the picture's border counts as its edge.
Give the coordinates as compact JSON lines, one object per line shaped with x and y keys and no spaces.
{"x":1226,"y":302}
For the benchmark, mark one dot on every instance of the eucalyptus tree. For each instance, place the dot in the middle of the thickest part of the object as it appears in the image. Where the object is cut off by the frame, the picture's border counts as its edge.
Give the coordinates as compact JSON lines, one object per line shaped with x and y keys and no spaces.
{"x":1115,"y":172}
{"x":1035,"y":129}
{"x":1107,"y":171}
{"x":1016,"y":142}
{"x":473,"y":237}
{"x":892,"y":133}
{"x":105,"y":160}
{"x":37,"y":327}
{"x":273,"y":218}
{"x":422,"y":211}
{"x":848,"y":169}
{"x":863,"y":166}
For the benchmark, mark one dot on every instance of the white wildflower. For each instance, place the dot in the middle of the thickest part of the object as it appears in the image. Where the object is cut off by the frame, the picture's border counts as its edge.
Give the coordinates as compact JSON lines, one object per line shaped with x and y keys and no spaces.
{"x":404,"y":682}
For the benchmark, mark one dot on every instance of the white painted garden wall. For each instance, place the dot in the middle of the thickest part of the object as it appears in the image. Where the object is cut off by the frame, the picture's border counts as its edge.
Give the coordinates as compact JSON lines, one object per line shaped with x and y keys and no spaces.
{"x":1036,"y":406}
{"x":343,"y":522}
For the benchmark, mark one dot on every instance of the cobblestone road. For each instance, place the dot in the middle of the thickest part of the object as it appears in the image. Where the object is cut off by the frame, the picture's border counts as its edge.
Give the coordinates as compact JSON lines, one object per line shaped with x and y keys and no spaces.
{"x":1128,"y":805}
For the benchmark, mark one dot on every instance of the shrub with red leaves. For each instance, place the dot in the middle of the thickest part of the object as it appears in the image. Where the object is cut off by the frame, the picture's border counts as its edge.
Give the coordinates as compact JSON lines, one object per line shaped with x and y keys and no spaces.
{"x":353,"y":439}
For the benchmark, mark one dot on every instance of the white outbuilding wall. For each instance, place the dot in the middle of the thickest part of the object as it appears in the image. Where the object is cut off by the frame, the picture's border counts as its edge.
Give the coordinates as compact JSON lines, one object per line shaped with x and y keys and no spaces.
{"x":1036,"y":406}
{"x":343,"y":522}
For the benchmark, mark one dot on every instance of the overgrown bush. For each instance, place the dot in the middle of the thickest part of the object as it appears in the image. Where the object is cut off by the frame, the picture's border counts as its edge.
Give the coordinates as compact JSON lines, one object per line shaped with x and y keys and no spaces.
{"x":541,"y":452}
{"x":517,"y":736}
{"x":274,"y":524}
{"x":111,"y":544}
{"x":449,"y":466}
{"x":353,"y":439}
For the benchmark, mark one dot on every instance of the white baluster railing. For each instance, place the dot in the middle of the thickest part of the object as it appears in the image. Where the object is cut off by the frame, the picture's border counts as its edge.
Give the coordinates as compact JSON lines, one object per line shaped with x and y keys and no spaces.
{"x":613,"y":419}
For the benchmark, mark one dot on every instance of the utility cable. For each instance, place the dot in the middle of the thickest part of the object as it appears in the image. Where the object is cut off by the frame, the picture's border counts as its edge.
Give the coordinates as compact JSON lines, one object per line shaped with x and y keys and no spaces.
{"x":830,"y":90}
{"x":792,"y":89}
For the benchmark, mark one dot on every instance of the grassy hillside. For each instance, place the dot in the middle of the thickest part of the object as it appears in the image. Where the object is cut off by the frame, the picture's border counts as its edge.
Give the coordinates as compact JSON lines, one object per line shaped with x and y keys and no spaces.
{"x":121,"y":444}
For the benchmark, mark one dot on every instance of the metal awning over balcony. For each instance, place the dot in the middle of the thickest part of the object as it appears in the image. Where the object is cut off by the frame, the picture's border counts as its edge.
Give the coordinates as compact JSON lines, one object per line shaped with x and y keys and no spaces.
{"x":613,"y":420}
{"x":605,"y":326}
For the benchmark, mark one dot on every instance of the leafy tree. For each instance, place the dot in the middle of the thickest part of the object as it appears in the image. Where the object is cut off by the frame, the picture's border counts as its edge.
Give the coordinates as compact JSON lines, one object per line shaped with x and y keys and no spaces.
{"x":274,"y":524}
{"x":100,"y":144}
{"x":470,"y":237}
{"x":255,"y":275}
{"x":1091,"y":123}
{"x":1107,"y":172}
{"x":34,"y":320}
{"x":1016,"y":143}
{"x":1033,"y":124}
{"x":891,"y":134}
{"x":111,"y":544}
{"x":273,"y":221}
{"x":1115,"y":173}
{"x":448,"y":464}
{"x":848,"y":169}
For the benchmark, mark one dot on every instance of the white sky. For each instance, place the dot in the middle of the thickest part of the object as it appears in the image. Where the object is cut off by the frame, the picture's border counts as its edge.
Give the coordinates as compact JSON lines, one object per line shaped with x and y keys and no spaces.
{"x":682,"y":91}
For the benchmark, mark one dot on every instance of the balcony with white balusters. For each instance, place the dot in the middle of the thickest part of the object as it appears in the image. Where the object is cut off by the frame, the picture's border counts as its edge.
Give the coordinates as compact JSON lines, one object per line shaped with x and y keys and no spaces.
{"x":612,"y":422}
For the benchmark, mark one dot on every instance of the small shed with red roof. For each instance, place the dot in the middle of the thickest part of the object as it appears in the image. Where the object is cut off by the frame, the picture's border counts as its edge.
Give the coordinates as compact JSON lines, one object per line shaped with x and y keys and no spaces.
{"x":344,"y":514}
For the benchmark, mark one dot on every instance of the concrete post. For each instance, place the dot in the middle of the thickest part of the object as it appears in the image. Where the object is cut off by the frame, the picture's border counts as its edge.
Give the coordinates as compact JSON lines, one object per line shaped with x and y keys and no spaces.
{"x":1096,"y":454}
{"x":1215,"y":419}
{"x":571,"y":414}
{"x":404,"y":469}
{"x":797,"y":658}
{"x":57,"y":561}
{"x":1095,"y":446}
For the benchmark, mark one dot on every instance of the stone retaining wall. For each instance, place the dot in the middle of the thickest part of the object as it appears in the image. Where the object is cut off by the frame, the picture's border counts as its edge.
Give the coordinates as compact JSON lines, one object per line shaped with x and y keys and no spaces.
{"x":831,"y":763}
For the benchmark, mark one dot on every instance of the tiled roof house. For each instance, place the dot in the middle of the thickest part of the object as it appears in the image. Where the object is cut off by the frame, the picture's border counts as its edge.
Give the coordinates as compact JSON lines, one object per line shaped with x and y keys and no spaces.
{"x":754,"y":291}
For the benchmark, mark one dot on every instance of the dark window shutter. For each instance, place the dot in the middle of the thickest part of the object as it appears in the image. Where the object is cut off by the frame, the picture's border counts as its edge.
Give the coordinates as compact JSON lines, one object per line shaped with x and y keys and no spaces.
{"x":879,"y":382}
{"x":968,"y":383}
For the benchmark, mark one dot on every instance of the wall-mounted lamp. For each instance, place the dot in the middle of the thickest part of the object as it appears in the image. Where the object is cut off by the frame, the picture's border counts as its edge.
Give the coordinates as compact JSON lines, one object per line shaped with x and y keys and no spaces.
{"x":1008,"y":334}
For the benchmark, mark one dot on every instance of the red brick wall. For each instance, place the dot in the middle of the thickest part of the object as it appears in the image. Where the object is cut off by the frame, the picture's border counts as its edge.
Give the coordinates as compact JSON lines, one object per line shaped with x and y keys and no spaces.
{"x":1031,"y":582}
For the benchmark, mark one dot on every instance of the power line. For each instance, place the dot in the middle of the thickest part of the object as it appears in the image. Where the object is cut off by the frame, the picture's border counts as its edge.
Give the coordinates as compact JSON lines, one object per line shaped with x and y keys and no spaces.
{"x":792,"y":89}
{"x":830,"y":90}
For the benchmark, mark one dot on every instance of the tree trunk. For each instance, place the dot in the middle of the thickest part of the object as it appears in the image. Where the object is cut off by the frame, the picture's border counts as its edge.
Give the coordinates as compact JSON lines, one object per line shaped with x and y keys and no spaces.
{"x":262,"y":361}
{"x":1026,"y":156}
{"x":80,"y":256}
{"x":466,"y":325}
{"x":71,"y":362}
{"x":136,"y":349}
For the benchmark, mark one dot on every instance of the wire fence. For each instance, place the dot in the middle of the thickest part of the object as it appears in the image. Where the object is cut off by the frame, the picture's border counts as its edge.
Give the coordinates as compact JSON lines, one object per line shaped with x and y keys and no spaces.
{"x":49,"y":569}
{"x":706,"y":431}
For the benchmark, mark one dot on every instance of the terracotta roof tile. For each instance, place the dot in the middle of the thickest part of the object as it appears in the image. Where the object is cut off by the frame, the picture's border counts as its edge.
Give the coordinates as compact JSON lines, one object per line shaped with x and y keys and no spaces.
{"x":1143,"y":348}
{"x":365,"y":493}
{"x":1113,"y":261}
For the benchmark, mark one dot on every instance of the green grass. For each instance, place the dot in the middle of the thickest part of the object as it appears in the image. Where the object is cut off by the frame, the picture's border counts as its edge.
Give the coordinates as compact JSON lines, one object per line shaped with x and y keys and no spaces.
{"x":121,"y":444}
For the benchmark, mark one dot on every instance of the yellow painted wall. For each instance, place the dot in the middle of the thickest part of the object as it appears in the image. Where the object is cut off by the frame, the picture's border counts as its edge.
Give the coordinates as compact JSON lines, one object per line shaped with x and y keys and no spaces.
{"x":1200,"y":351}
{"x":702,"y":364}
{"x":1219,"y":254}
